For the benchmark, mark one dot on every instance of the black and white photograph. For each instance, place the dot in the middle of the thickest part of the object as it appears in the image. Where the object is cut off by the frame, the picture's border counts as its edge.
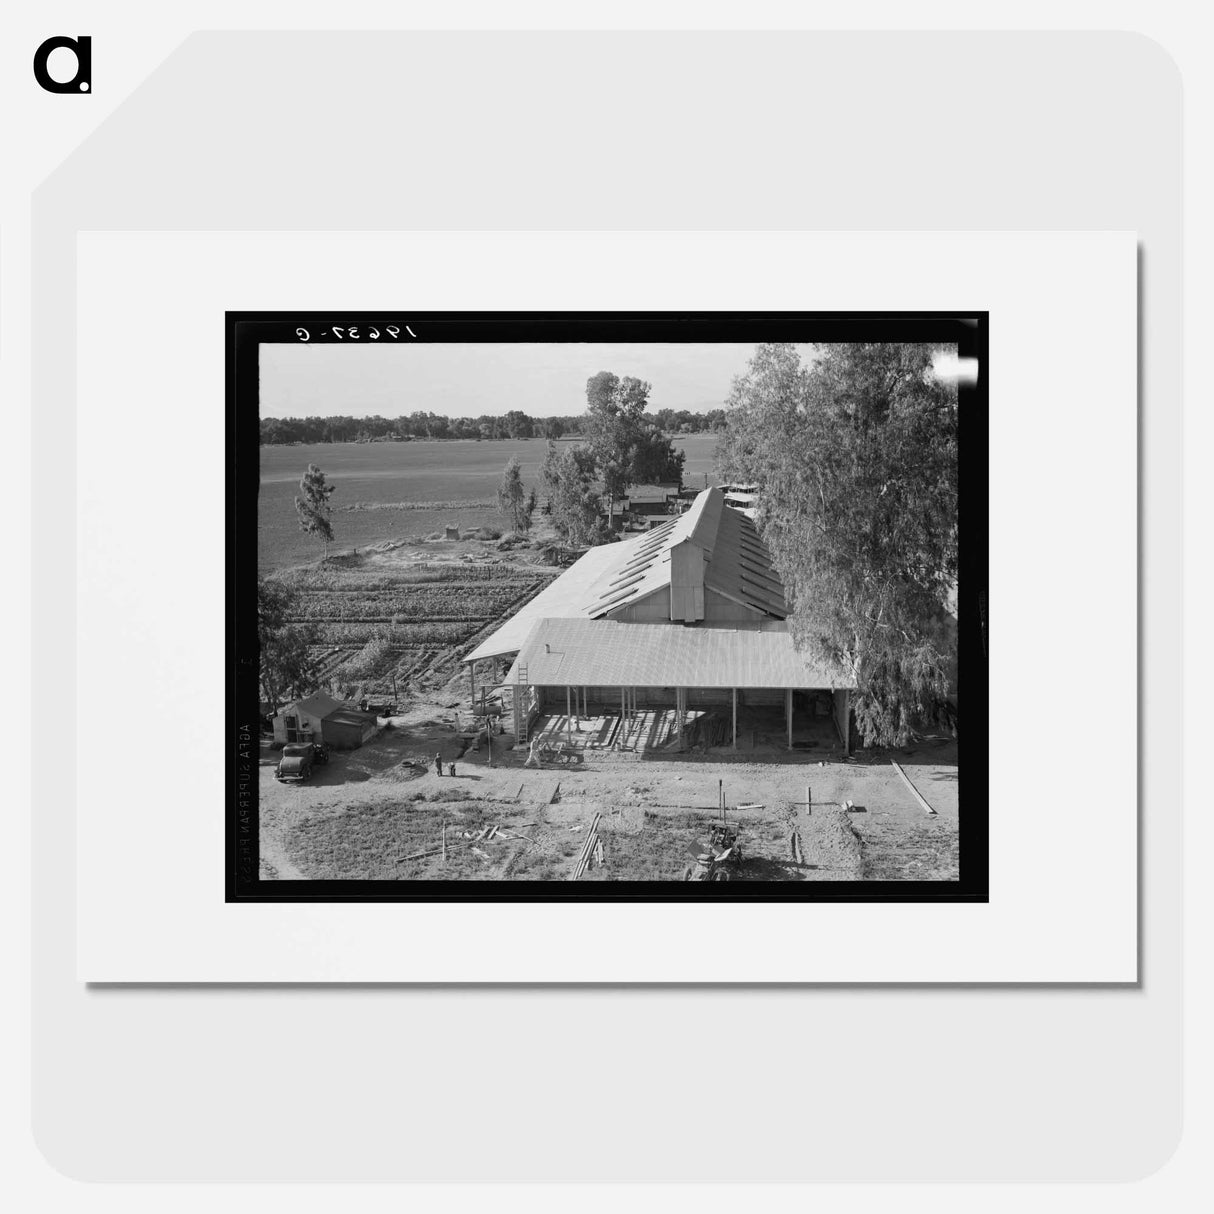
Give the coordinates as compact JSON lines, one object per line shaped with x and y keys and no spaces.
{"x":564,"y":605}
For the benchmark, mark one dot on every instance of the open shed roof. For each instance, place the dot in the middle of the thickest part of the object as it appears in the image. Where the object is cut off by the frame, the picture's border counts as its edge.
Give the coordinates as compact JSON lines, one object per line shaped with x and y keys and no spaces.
{"x":608,"y":653}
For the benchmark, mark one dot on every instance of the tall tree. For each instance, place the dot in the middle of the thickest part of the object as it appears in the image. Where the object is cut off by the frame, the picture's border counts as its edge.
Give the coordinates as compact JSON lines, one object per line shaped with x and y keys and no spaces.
{"x":856,"y":455}
{"x":287,"y":667}
{"x":628,"y":447}
{"x":518,"y":424}
{"x":312,"y":505}
{"x":512,"y":498}
{"x":576,"y":507}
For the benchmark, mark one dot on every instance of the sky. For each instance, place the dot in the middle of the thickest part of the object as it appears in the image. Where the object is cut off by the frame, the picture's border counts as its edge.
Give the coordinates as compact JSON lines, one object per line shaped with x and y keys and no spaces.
{"x":541,"y":379}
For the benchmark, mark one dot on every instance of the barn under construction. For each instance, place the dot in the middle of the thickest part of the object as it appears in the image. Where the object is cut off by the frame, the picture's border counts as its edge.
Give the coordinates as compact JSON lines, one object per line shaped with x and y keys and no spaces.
{"x":652,"y":634}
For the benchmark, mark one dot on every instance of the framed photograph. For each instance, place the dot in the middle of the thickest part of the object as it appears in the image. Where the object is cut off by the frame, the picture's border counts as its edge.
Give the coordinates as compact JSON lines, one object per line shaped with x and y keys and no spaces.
{"x":607,"y":606}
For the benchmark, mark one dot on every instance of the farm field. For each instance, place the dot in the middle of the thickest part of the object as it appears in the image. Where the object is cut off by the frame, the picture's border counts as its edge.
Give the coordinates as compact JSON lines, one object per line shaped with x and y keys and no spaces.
{"x":452,"y":483}
{"x":391,"y":623}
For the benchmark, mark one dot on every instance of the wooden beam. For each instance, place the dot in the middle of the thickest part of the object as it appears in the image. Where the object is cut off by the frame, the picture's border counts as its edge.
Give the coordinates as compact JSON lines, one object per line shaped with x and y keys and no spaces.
{"x":735,"y":718}
{"x":913,"y":790}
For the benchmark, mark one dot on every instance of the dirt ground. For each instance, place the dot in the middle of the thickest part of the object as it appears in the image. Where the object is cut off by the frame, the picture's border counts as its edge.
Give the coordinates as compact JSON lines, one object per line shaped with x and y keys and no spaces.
{"x":369,"y":814}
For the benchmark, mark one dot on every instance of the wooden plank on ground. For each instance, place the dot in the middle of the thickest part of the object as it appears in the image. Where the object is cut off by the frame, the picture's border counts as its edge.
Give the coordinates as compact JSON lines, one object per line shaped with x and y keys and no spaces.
{"x":913,"y":790}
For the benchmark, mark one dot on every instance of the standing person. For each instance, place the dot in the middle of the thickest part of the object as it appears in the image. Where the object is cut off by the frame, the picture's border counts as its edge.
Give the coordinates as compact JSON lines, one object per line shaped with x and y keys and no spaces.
{"x":438,"y":763}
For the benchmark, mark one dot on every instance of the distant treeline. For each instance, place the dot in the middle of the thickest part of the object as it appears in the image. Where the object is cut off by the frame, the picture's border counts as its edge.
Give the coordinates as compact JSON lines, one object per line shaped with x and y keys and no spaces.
{"x":421,"y":424}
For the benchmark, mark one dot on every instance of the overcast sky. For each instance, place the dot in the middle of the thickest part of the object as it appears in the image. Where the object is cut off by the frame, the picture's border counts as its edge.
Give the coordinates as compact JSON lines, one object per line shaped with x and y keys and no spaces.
{"x":318,"y":380}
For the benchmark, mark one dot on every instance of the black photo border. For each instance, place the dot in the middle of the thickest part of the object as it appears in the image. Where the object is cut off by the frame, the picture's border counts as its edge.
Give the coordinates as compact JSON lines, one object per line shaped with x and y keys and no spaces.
{"x":246,"y":331}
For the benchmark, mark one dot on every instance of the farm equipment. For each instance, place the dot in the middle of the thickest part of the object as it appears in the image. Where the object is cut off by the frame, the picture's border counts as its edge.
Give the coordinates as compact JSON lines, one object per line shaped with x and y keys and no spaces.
{"x":560,"y":754}
{"x":720,"y":859}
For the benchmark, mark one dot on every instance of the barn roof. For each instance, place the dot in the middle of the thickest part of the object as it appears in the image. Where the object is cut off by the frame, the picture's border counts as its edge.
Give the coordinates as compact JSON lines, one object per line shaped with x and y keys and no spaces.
{"x":609,"y":653}
{"x":613,"y":576}
{"x":738,"y":563}
{"x":563,"y":596}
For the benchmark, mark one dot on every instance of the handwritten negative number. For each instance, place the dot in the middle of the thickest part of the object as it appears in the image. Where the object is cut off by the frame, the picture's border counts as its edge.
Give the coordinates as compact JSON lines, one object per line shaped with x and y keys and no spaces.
{"x":352,"y":332}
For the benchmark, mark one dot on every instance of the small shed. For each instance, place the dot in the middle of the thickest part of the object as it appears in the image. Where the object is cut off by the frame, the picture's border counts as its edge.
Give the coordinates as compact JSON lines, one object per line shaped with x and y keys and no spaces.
{"x":348,"y":727}
{"x":321,"y":718}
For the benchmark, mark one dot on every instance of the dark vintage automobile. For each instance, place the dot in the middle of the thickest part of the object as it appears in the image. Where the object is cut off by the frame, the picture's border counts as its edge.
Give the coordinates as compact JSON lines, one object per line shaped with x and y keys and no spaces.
{"x":298,"y":759}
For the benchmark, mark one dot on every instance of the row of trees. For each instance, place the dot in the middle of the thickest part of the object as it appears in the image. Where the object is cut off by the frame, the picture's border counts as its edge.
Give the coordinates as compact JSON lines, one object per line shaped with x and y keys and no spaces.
{"x":421,"y":424}
{"x":857,"y":456}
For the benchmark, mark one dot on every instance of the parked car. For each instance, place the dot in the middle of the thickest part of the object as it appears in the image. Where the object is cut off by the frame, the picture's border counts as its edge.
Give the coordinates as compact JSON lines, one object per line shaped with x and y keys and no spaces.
{"x":298,"y":759}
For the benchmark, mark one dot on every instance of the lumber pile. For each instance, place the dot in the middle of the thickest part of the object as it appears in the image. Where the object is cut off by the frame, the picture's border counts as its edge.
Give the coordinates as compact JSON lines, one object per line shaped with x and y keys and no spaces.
{"x":589,"y":848}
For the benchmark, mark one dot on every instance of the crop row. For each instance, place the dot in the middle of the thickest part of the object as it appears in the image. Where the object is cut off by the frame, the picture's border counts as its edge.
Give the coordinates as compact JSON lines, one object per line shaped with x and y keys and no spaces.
{"x":360,"y":581}
{"x":403,"y":635}
{"x":447,"y":604}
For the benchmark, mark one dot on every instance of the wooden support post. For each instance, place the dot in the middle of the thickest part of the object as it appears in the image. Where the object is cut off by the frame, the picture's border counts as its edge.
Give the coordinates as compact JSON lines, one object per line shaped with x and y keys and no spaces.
{"x":735,"y":718}
{"x":623,"y":720}
{"x":472,"y":681}
{"x":788,"y":713}
{"x":569,"y":715}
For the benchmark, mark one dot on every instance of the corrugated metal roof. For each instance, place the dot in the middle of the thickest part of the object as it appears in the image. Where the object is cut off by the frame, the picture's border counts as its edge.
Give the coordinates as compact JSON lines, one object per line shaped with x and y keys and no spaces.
{"x":609,"y":653}
{"x":566,"y":595}
{"x":612,"y":576}
{"x":738,"y":563}
{"x":650,"y":493}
